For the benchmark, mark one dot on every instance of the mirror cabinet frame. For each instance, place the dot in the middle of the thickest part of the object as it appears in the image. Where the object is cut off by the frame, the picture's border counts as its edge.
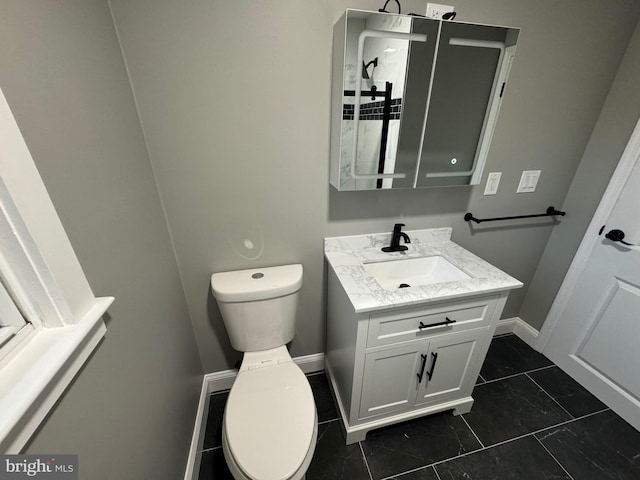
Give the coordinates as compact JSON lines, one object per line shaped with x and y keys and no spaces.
{"x":416,"y":117}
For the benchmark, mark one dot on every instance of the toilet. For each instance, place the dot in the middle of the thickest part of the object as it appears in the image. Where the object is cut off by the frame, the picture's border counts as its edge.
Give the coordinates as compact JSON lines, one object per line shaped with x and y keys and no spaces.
{"x":270,"y":425}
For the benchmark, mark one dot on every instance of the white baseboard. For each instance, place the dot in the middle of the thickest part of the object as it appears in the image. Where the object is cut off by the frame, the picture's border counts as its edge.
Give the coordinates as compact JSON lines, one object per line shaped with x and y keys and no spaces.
{"x":220,"y":381}
{"x":197,"y":439}
{"x":520,"y":328}
{"x":311,"y":363}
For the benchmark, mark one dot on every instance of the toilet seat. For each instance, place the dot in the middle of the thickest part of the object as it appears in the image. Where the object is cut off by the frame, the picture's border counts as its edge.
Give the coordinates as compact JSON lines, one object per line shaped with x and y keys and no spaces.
{"x":270,"y":422}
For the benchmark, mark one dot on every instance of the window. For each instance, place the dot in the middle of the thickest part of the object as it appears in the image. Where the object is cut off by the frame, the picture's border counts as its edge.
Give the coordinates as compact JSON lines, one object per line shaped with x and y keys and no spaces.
{"x":50,"y":321}
{"x":29,"y":297}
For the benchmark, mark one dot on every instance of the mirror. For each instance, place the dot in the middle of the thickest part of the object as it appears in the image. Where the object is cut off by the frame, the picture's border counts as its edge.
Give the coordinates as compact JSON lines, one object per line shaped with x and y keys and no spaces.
{"x":414,"y":100}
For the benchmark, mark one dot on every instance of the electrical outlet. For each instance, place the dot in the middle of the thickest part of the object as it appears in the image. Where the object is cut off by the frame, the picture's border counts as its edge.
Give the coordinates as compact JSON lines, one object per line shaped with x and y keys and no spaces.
{"x":436,"y":10}
{"x":493,"y":180}
{"x":528,"y":181}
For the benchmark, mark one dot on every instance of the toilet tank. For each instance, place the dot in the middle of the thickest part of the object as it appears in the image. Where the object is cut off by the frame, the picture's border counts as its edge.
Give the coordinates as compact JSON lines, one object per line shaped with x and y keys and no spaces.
{"x":258,"y":306}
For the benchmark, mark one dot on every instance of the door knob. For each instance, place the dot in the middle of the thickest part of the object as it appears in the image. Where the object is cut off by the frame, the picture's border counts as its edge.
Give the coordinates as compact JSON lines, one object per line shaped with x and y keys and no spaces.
{"x":616,"y":235}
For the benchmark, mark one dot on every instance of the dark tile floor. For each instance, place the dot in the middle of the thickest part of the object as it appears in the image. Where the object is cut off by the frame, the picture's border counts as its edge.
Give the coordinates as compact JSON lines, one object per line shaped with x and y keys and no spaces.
{"x":529,"y":421}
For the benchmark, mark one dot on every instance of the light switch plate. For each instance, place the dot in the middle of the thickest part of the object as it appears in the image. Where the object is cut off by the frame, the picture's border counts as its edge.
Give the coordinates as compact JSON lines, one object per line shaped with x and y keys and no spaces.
{"x":493,"y":180}
{"x":528,"y":181}
{"x":436,"y":10}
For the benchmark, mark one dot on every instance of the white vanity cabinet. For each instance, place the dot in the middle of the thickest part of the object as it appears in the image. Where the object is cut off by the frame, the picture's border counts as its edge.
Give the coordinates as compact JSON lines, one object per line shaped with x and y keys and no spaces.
{"x":393,"y":365}
{"x":425,"y":372}
{"x":403,"y":343}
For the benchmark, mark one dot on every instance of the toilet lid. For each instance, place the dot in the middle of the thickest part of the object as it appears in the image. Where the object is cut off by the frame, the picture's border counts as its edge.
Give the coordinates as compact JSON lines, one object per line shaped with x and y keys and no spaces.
{"x":270,"y":420}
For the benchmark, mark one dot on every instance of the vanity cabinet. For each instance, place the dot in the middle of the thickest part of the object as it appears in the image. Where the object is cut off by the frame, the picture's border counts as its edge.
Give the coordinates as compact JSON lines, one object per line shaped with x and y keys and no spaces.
{"x":429,"y":371}
{"x":393,"y":365}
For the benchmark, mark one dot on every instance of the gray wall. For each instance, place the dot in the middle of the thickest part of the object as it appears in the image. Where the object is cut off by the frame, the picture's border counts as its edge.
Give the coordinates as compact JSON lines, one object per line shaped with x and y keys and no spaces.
{"x":619,"y":116}
{"x":234,"y":101}
{"x":130,"y":412}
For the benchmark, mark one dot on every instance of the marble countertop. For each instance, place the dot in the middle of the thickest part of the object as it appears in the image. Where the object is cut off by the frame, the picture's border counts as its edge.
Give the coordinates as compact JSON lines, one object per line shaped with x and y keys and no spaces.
{"x":347,"y":254}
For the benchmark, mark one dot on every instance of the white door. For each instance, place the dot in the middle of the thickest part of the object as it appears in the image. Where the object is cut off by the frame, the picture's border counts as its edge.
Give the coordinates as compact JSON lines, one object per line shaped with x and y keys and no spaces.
{"x":594,"y":324}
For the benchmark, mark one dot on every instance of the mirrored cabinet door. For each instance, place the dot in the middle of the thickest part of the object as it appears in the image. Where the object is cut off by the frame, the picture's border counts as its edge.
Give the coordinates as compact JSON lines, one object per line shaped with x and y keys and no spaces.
{"x":469,"y":77}
{"x":416,"y":97}
{"x":370,"y":88}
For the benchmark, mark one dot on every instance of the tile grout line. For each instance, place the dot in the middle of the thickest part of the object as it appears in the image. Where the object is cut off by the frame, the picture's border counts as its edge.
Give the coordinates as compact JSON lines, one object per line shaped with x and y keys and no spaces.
{"x":501,"y":378}
{"x":474,"y":433}
{"x":553,"y":456}
{"x":395,"y":475}
{"x":364,"y":457}
{"x":541,"y":368}
{"x":571,"y":420}
{"x":515,"y":375}
{"x":466,"y":454}
{"x":210,"y":449}
{"x":549,"y":395}
{"x":436,"y":471}
{"x":328,"y":421}
{"x":519,"y":437}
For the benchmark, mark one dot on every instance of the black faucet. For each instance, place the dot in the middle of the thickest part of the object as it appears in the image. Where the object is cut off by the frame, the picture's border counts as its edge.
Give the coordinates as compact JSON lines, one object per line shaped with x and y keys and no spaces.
{"x":395,"y":239}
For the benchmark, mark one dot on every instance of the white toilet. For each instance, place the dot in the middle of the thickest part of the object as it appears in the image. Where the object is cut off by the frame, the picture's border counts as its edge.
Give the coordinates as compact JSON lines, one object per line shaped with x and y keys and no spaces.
{"x":270,"y":423}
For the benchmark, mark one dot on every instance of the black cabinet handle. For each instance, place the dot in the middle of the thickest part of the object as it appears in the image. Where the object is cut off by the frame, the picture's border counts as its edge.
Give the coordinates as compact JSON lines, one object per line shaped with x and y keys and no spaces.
{"x":433,"y":365}
{"x":424,"y":364}
{"x":448,"y":321}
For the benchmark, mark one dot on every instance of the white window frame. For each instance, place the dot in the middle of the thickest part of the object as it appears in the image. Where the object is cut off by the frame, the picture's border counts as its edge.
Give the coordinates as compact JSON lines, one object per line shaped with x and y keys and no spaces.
{"x":14,"y":327}
{"x":26,"y":279}
{"x":43,"y":277}
{"x":13,"y":324}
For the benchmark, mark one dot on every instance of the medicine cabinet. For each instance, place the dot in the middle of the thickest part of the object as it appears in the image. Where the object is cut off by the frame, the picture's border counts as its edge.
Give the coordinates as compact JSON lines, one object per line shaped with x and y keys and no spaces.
{"x":414,"y":100}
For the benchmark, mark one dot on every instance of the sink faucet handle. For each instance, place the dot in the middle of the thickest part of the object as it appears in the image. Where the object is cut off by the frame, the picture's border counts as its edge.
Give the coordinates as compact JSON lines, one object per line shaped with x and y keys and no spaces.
{"x":395,"y":239}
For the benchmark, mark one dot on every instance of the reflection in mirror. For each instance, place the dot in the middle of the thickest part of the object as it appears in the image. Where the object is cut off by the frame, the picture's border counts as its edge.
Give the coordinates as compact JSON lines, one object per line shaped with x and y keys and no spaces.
{"x":375,"y":71}
{"x":414,"y":100}
{"x":465,"y":97}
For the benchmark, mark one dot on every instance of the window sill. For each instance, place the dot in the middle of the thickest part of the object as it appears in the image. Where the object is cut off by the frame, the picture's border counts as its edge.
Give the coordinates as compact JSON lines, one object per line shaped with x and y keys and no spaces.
{"x":32,"y":382}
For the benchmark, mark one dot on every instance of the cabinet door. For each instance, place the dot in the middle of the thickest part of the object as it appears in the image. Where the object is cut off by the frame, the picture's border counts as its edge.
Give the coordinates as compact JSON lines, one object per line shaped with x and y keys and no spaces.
{"x":453,"y":363}
{"x":390,"y":379}
{"x":471,"y":66}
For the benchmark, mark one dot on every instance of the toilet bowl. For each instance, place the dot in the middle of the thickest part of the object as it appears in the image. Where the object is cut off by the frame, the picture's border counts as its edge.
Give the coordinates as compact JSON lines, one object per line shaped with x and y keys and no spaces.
{"x":270,"y":424}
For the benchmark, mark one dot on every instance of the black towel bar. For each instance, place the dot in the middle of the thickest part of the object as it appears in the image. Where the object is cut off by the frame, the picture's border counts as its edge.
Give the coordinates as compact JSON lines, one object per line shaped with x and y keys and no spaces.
{"x":551,"y":212}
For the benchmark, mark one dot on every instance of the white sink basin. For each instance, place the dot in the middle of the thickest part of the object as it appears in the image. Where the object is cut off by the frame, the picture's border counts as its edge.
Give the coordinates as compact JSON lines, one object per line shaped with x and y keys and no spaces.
{"x":413,"y":272}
